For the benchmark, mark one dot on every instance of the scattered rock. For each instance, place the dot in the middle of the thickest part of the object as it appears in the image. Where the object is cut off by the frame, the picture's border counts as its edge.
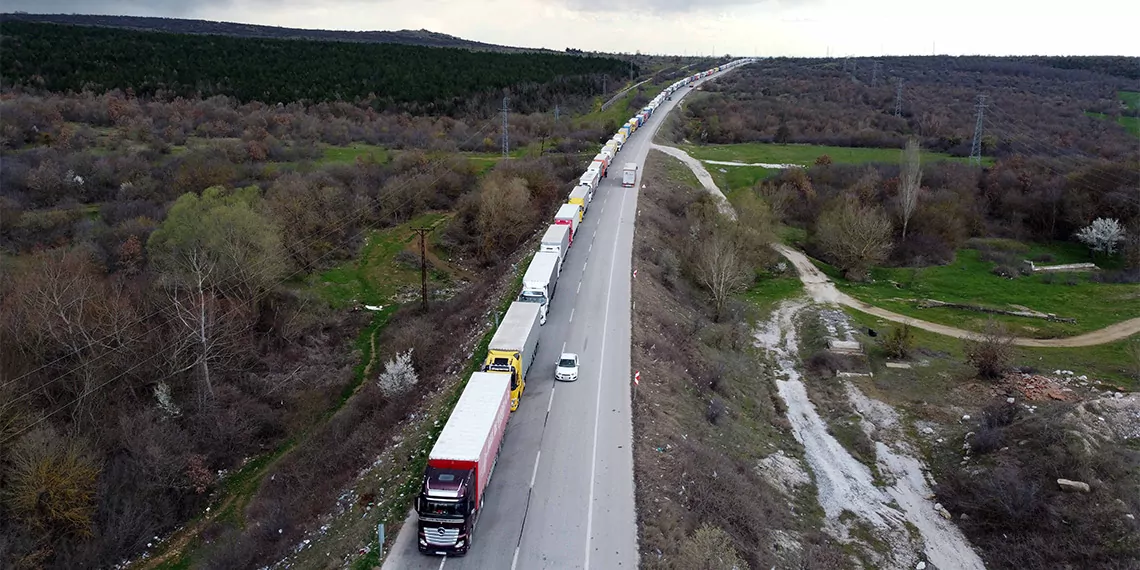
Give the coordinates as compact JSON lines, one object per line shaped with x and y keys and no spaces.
{"x":966,"y":417}
{"x":920,"y":566}
{"x":1067,"y":485}
{"x":1009,"y":400}
{"x":928,"y":430}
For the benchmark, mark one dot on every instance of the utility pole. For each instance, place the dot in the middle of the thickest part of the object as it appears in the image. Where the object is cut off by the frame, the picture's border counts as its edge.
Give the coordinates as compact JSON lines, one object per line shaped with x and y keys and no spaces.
{"x":976,"y":146}
{"x":555,"y":113}
{"x":423,"y":265}
{"x":506,"y":141}
{"x":898,"y":99}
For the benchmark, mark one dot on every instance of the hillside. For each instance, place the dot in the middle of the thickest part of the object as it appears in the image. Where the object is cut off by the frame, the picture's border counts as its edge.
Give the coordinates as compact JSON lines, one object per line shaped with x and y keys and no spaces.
{"x":185,"y":26}
{"x":431,"y":80}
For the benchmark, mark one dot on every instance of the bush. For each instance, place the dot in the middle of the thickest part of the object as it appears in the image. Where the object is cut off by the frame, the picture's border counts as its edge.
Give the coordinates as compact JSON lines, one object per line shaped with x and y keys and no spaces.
{"x":715,"y":410}
{"x":899,"y":342}
{"x":709,"y":548}
{"x":408,"y":260}
{"x":990,"y":354}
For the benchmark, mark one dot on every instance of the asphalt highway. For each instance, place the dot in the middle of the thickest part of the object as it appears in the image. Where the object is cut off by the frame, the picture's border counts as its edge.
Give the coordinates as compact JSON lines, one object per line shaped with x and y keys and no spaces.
{"x":562,"y":493}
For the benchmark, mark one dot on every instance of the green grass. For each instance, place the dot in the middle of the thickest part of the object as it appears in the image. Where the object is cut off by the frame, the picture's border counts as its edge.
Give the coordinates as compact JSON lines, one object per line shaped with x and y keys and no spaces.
{"x":349,"y":154}
{"x":969,"y":280}
{"x":374,"y":277}
{"x":736,"y":177}
{"x":1130,"y":98}
{"x":1111,"y":363}
{"x":769,"y":289}
{"x":620,"y":111}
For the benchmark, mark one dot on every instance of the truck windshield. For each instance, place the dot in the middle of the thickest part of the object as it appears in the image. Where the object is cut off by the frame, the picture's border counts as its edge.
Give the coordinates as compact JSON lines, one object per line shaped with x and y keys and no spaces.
{"x":531,"y":297}
{"x":443,"y":509}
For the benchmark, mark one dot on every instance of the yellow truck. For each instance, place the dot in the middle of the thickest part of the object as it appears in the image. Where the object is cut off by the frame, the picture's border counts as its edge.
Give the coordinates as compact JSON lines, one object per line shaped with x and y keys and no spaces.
{"x":514,"y":345}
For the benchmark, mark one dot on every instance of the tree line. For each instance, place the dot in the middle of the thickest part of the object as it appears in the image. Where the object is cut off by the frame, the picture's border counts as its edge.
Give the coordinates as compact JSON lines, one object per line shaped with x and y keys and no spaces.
{"x":421,"y":79}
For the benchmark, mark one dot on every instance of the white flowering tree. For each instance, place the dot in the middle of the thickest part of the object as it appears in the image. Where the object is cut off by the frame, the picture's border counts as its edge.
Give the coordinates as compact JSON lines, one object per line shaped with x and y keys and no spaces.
{"x":1102,"y":235}
{"x":399,"y":375}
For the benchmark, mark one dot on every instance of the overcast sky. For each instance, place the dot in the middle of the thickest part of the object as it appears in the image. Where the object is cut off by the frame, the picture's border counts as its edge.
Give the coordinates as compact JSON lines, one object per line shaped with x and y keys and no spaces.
{"x":737,"y":27}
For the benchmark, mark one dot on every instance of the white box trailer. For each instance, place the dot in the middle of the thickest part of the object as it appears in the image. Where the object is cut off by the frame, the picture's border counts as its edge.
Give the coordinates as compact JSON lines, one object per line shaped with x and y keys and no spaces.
{"x":557,"y":240}
{"x":569,"y":215}
{"x":592,"y":176}
{"x":629,"y":175}
{"x":540,"y":282}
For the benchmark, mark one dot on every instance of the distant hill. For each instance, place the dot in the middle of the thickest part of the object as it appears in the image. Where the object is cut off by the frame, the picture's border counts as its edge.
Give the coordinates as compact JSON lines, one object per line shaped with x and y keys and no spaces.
{"x":181,"y":26}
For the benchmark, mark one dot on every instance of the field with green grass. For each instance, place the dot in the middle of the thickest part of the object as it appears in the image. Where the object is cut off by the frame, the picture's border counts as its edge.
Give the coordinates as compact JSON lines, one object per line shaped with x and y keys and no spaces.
{"x":733,"y":178}
{"x":376,"y":276}
{"x":969,"y":280}
{"x":349,"y":154}
{"x":1113,"y":364}
{"x":1132,"y":100}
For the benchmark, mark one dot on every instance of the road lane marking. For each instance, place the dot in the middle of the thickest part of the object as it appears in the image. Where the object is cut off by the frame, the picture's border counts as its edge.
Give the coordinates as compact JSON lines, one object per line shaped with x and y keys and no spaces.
{"x":571,"y":315}
{"x":598,"y":403}
{"x":579,"y":288}
{"x":441,"y":562}
{"x":549,"y":405}
{"x":584,"y":266}
{"x":534,"y":474}
{"x":515,"y":560}
{"x":563,"y":346}
{"x":591,"y":245}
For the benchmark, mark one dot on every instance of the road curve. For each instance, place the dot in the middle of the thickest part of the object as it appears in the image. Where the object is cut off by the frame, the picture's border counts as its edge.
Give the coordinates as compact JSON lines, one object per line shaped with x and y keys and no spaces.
{"x":562,"y":495}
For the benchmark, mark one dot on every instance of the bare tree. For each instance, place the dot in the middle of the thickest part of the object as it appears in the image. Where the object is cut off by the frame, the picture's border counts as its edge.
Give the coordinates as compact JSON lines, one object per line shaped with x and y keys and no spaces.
{"x":910,"y":179}
{"x":854,"y":235}
{"x":719,"y":266}
{"x":207,"y":331}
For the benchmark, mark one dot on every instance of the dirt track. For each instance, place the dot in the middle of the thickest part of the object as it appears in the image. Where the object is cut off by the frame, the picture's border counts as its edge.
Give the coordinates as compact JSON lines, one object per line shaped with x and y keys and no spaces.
{"x":823,"y":290}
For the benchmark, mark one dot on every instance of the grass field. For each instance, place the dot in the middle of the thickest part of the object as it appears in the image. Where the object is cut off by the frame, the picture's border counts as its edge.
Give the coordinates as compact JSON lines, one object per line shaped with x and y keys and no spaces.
{"x":969,"y":280}
{"x":375,"y":277}
{"x":1112,"y":363}
{"x":736,"y":177}
{"x":349,"y":154}
{"x":1132,"y":100}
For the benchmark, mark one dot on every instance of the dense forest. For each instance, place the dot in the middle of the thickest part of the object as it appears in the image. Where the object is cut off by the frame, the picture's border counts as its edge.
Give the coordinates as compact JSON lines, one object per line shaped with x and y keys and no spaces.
{"x":188,"y":26}
{"x":418,"y":79}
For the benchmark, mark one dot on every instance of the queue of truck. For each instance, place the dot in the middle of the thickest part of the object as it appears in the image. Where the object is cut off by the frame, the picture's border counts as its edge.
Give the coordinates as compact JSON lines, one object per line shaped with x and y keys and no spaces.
{"x":460,"y":464}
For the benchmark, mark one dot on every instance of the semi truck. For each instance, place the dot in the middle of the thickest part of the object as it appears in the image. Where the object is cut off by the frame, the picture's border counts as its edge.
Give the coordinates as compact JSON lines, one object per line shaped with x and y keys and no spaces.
{"x":592,"y":177}
{"x":629,"y":175}
{"x":557,"y":240}
{"x":460,"y":465}
{"x":580,"y":195}
{"x":540,"y":282}
{"x":569,"y":215}
{"x":512,"y":348}
{"x":602,"y":160}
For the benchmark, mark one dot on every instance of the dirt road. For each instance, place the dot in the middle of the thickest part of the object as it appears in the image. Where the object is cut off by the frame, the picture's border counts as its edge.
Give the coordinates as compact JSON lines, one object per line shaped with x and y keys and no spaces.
{"x":703,"y":175}
{"x":822,"y":290}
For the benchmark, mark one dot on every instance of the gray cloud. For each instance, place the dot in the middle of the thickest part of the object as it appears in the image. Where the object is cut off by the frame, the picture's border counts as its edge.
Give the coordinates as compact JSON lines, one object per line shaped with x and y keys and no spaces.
{"x":167,"y":8}
{"x":670,"y":7}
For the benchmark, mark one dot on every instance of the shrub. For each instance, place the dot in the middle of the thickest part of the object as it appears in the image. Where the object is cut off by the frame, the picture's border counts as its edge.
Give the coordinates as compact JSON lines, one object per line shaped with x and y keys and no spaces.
{"x":899,"y":342}
{"x":406,"y":259}
{"x":715,"y":410}
{"x":399,"y":375}
{"x":709,"y":548}
{"x":990,"y":354}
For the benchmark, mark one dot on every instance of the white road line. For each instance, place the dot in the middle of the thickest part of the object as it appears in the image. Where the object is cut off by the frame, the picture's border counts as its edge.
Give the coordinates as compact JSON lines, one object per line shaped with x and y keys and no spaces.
{"x":534,"y":474}
{"x":584,"y":265}
{"x":579,"y":287}
{"x":598,"y":404}
{"x":549,"y":405}
{"x":515,"y":560}
{"x":564,"y":346}
{"x":441,"y":562}
{"x":591,"y":245}
{"x":571,"y":315}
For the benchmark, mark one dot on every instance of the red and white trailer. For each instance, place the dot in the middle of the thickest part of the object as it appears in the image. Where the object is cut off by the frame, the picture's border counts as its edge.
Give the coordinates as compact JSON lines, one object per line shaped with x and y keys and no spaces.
{"x":461,"y":463}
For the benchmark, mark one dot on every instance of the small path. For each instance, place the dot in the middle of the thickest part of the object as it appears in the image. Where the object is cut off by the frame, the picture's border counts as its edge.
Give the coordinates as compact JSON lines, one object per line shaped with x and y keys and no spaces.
{"x":621,"y":94}
{"x":823,"y":290}
{"x":703,"y":176}
{"x":763,"y":164}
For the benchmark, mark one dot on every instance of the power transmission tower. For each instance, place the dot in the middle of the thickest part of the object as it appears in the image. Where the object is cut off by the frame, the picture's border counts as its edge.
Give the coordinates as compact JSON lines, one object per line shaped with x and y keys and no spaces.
{"x":875,"y":74}
{"x":506,"y":140}
{"x":423,"y":265}
{"x":844,"y":65}
{"x":976,"y":146}
{"x":898,"y":99}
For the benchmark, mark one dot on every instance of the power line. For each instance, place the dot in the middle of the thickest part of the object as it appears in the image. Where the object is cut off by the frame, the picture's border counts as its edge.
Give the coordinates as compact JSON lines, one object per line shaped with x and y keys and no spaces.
{"x":898,"y":98}
{"x":976,"y":146}
{"x":506,"y":115}
{"x":423,"y":265}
